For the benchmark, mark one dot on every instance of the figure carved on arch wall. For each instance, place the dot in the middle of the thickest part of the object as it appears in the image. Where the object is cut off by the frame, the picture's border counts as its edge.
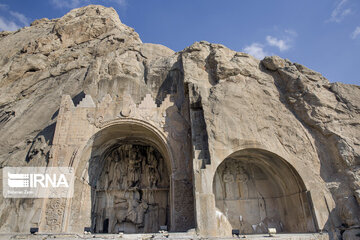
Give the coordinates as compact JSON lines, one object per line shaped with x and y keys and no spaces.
{"x":239,"y":191}
{"x":132,"y":191}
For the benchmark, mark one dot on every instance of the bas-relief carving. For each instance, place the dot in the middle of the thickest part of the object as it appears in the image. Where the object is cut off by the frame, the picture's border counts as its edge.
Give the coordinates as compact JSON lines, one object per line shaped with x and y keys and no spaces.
{"x":243,"y":202}
{"x":95,"y":120}
{"x":146,"y":110}
{"x":55,"y":208}
{"x":132,"y":191}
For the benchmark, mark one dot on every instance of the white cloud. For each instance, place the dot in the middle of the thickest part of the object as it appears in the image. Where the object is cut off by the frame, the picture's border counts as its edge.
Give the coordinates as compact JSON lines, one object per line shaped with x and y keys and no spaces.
{"x":20,"y":17}
{"x":78,"y":3}
{"x":66,"y":3}
{"x":256,"y":50}
{"x":3,"y":6}
{"x":282,"y":44}
{"x":291,"y":33}
{"x":119,"y":2}
{"x":6,"y":25}
{"x":355,"y":33}
{"x":340,"y":12}
{"x":13,"y":21}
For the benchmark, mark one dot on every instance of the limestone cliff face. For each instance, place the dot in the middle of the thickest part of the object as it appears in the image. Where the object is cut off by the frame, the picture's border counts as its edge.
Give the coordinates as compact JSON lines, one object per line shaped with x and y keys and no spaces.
{"x":286,"y":107}
{"x":281,"y":105}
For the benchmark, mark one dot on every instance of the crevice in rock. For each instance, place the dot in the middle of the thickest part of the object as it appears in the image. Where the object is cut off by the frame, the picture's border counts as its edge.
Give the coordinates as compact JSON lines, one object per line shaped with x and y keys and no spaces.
{"x":146,"y":71}
{"x":199,"y":135}
{"x":32,"y":70}
{"x":211,"y":67}
{"x":5,"y":116}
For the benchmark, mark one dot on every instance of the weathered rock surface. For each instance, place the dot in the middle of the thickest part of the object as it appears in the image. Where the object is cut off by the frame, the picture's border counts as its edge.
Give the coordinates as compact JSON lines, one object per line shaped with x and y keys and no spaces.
{"x":281,"y":105}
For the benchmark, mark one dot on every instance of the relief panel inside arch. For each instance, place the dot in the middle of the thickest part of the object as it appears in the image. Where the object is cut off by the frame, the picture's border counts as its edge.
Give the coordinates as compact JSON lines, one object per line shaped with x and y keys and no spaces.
{"x":254,"y":196}
{"x":131,"y":193}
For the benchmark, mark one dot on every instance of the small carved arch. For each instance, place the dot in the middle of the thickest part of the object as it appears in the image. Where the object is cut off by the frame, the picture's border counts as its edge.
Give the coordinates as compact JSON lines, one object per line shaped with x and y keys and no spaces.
{"x":257,"y":189}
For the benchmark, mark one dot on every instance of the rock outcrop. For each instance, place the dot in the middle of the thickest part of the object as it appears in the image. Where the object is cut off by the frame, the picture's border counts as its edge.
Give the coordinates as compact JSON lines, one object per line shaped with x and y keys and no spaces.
{"x":281,"y":105}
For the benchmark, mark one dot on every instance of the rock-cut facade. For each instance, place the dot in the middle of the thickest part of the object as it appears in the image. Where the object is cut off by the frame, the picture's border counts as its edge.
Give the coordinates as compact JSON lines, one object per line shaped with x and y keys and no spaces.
{"x":206,"y":138}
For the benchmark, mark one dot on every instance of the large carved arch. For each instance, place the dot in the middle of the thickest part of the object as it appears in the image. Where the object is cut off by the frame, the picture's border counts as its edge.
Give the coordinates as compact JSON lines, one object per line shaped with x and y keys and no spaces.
{"x":256,"y":189}
{"x":110,"y":134}
{"x":86,"y":133}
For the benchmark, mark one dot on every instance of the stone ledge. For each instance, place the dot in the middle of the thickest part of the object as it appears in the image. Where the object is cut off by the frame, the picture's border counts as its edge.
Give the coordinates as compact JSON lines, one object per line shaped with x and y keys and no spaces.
{"x":175,"y":235}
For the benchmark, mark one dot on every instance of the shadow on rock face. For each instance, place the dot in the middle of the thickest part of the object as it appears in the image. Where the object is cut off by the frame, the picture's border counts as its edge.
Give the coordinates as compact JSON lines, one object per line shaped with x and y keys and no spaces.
{"x":40,"y":146}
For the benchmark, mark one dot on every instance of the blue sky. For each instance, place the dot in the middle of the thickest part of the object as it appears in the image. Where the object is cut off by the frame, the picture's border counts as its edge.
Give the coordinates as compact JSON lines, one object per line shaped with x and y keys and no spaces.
{"x":323,"y":35}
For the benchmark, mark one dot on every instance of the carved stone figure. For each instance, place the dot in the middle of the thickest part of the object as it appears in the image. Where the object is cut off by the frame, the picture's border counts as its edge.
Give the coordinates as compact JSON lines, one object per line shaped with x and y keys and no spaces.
{"x":121,"y":210}
{"x":136,"y":209}
{"x":131,"y":190}
{"x":134,"y":169}
{"x":122,"y":170}
{"x":230,"y":184}
{"x":152,"y":166}
{"x":228,"y":177}
{"x":242,"y":179}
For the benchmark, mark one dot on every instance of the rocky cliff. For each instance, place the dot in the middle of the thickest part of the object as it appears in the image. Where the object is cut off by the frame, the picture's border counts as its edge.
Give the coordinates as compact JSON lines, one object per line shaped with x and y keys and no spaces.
{"x":284,"y":105}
